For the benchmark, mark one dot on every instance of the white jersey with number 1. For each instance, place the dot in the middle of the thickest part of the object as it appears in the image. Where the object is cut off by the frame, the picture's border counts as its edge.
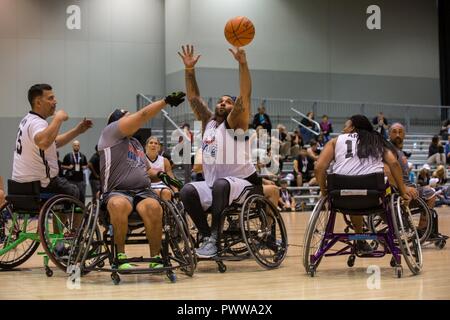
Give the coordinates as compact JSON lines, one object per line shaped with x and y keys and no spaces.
{"x":346,"y":161}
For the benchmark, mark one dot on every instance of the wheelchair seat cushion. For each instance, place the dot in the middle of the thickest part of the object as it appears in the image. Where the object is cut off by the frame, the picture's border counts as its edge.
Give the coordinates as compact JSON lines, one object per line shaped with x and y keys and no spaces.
{"x":24,"y":196}
{"x":357,"y":194}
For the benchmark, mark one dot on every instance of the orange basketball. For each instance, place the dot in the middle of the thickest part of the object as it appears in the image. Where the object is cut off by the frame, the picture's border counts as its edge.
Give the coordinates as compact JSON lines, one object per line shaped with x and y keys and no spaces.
{"x":239,"y":31}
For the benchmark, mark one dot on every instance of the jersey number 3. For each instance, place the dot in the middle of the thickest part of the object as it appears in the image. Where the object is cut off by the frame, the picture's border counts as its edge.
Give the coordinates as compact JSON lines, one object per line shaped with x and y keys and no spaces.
{"x":349,"y":153}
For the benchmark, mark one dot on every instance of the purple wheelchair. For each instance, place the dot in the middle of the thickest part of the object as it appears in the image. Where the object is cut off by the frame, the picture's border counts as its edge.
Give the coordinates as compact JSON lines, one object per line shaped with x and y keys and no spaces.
{"x":364,"y":195}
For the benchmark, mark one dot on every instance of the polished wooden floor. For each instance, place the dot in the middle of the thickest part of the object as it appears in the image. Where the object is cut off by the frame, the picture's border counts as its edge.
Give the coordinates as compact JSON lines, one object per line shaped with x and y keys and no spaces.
{"x":246,"y":280}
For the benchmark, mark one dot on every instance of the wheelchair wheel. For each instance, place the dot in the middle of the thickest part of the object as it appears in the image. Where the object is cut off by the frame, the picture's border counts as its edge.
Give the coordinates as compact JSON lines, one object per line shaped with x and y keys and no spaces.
{"x":182,"y":250}
{"x":15,"y":246}
{"x":420,"y":211}
{"x":263,"y":231}
{"x":406,"y":234}
{"x":315,"y":232}
{"x":231,"y":236}
{"x":59,"y":220}
{"x":86,"y":249}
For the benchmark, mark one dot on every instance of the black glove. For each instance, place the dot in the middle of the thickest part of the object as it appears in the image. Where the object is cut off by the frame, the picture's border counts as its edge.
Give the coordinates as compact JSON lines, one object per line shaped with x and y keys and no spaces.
{"x":168,"y":181}
{"x":175,"y":98}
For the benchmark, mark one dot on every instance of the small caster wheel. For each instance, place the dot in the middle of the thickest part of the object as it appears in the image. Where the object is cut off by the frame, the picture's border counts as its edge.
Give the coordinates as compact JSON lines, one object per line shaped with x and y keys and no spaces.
{"x":373,"y":245}
{"x":347,"y":229}
{"x":115,"y":278}
{"x":48,"y":272}
{"x":440,"y":244}
{"x":101,"y":264}
{"x":351,"y":261}
{"x":312,"y":270}
{"x":222,"y":267}
{"x":172,"y":277}
{"x":398,"y":271}
{"x":392,"y":262}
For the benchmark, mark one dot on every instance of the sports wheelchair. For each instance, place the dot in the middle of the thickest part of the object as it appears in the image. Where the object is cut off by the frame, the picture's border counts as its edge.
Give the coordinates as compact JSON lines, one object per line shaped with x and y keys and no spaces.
{"x":93,"y":246}
{"x":29,"y":218}
{"x":254,"y":228}
{"x":362,"y":195}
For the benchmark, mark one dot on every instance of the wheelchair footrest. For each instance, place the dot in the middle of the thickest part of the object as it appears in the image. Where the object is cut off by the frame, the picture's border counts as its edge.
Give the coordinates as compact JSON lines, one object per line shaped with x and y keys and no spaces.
{"x":362,"y":237}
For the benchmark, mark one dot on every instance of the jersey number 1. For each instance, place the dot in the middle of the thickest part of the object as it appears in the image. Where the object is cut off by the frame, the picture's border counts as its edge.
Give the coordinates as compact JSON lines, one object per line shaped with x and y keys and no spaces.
{"x":349,"y":153}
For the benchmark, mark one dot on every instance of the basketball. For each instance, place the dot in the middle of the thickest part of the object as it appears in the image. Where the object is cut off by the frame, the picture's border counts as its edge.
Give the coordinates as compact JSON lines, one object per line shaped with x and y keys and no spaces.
{"x":239,"y":31}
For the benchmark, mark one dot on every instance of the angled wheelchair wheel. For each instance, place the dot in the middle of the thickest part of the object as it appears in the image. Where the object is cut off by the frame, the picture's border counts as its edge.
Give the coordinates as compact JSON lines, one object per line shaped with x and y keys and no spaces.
{"x":181,"y":246}
{"x":231,"y":240}
{"x":86,"y":250}
{"x":263,"y":231}
{"x":406,"y":234}
{"x":315,"y":233}
{"x":59,"y":220}
{"x":422,"y":218}
{"x":18,"y":237}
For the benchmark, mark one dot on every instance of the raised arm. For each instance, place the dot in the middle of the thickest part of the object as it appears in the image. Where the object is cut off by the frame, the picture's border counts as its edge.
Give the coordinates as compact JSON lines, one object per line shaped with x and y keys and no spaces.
{"x":46,"y":137}
{"x":66,"y":137}
{"x":130,"y":124}
{"x":238,"y":117}
{"x":198,"y":106}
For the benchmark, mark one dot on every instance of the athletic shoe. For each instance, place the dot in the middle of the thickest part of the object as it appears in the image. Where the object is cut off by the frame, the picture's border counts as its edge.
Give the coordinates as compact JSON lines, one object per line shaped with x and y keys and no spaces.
{"x":158,"y":264}
{"x":208,"y":248}
{"x":125,"y":265}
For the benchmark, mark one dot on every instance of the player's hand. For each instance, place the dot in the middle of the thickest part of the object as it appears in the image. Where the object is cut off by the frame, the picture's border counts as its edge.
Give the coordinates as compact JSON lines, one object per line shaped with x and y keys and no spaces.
{"x":406,"y":199}
{"x":323,"y":192}
{"x":412,"y":192}
{"x":188,"y":57}
{"x":239,"y":55}
{"x":61,"y":115}
{"x":175,"y":99}
{"x":84,"y":125}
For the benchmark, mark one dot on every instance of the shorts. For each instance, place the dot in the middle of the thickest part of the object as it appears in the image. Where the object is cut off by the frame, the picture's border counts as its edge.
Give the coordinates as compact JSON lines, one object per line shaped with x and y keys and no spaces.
{"x":240,"y":189}
{"x":133,"y":196}
{"x":159,"y":185}
{"x":426,"y":192}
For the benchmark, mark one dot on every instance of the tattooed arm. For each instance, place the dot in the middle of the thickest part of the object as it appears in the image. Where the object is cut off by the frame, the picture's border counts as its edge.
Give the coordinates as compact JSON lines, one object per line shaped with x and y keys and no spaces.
{"x":198,"y":106}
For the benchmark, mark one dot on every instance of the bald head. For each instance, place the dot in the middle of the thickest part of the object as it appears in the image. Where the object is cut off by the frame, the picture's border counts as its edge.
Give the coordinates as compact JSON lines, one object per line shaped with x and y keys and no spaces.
{"x":397,"y":134}
{"x":76,"y":145}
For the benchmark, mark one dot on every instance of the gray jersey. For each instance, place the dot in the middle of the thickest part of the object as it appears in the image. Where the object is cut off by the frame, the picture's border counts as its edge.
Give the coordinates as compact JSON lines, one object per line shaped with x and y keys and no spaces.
{"x":404,"y":164}
{"x":123,"y":163}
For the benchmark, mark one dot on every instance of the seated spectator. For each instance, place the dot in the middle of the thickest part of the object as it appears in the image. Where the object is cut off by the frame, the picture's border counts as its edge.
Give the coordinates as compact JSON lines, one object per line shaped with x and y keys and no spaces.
{"x":445,"y":129}
{"x":286,"y":201}
{"x":326,"y":128}
{"x":262,"y":119}
{"x":313,"y":150}
{"x":436,"y":152}
{"x":308,"y":123}
{"x":447,"y":150}
{"x":320,"y":143}
{"x":296,"y":143}
{"x":380,"y":124}
{"x":439,"y":177}
{"x":303,"y":168}
{"x":285,"y":141}
{"x":411,"y":174}
{"x":423,"y":178}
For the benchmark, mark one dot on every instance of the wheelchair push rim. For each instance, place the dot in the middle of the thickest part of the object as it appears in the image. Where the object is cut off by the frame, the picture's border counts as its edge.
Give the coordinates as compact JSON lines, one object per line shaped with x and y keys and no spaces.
{"x":263,"y":231}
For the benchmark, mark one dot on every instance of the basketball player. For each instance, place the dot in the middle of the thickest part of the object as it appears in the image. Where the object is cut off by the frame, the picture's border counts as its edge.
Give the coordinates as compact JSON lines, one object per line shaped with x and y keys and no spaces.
{"x":158,"y":167}
{"x":124,"y":177}
{"x":35,"y":157}
{"x":360,"y":150}
{"x":224,"y":182}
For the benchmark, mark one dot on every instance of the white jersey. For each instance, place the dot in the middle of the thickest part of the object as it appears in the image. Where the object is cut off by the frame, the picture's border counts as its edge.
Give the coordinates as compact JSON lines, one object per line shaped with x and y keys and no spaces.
{"x":158,"y":164}
{"x":224,"y":155}
{"x":346,"y":161}
{"x":31,"y":163}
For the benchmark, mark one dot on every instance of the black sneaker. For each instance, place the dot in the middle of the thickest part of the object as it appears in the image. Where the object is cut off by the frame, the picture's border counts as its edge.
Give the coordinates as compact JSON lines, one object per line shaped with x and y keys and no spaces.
{"x":363,"y":248}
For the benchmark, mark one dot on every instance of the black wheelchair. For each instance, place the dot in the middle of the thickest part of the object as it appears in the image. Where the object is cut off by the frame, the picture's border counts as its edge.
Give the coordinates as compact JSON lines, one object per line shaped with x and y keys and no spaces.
{"x":94,"y":245}
{"x":254,"y":228}
{"x":30,"y":218}
{"x":362,"y":195}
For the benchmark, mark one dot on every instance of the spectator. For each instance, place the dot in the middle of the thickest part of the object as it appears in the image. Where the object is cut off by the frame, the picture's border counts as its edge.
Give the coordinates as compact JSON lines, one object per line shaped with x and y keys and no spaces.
{"x":326,"y":128}
{"x":439,"y":177}
{"x":381,"y":124}
{"x":320,"y":143}
{"x":436,"y":152}
{"x":285,"y":141}
{"x":262,"y":119}
{"x":423,"y":178}
{"x":411,"y":174}
{"x":307,"y":135}
{"x":313,"y":150}
{"x":187,"y":130}
{"x":445,"y":129}
{"x":74,"y":163}
{"x":286,"y":201}
{"x":447,"y":149}
{"x":296,"y":143}
{"x":94,"y":177}
{"x":303,"y":168}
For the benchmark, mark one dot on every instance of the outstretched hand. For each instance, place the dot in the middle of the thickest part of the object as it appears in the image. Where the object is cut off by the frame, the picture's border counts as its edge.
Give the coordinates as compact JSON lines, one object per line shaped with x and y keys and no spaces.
{"x":175,"y":99}
{"x":188,"y":57}
{"x":84,"y":125}
{"x":239,"y":55}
